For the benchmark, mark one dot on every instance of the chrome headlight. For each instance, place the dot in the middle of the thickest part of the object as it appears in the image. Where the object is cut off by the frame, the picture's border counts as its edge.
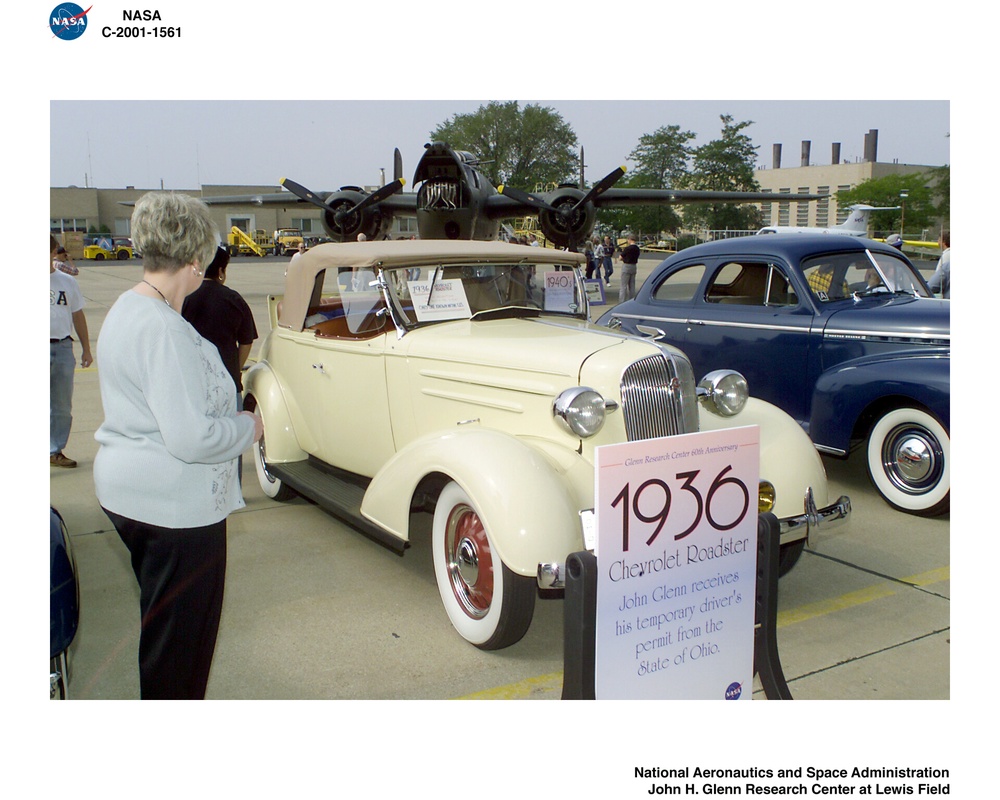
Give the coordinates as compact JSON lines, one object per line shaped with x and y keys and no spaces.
{"x":724,"y":391}
{"x":580,"y":411}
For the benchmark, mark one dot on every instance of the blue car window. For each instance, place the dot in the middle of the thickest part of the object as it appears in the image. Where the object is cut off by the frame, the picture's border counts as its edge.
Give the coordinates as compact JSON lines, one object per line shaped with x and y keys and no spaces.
{"x":749,"y":284}
{"x":680,"y":286}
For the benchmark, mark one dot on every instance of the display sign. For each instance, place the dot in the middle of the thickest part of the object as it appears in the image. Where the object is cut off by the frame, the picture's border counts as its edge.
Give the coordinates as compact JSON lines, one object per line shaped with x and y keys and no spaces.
{"x":447,"y":300}
{"x":560,"y":290}
{"x":595,"y":292}
{"x":676,"y":559}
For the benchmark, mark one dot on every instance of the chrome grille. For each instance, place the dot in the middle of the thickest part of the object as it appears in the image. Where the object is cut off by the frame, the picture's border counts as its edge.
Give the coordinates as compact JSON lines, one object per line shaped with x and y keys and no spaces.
{"x":658,"y":398}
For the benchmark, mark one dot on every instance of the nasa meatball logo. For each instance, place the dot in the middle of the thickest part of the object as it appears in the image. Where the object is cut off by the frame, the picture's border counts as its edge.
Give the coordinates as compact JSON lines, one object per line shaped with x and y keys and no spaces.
{"x":733,"y":691}
{"x":68,"y":21}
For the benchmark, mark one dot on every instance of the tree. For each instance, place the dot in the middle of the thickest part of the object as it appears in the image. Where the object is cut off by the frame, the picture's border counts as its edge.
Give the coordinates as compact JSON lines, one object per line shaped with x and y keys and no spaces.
{"x":941,"y":189}
{"x":920,"y":211}
{"x":725,"y":164}
{"x":522,"y":147}
{"x":660,"y":160}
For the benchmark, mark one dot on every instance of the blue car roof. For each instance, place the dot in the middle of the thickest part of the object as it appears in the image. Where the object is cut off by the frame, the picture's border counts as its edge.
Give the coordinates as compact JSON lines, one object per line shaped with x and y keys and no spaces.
{"x":791,"y":246}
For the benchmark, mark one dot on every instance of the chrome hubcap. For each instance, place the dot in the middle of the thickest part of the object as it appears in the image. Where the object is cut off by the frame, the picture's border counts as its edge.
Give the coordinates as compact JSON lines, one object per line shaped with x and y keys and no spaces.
{"x":913,"y":459}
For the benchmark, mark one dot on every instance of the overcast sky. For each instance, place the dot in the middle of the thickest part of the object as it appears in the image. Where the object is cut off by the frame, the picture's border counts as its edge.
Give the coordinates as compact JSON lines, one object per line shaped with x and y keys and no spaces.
{"x":325,"y":144}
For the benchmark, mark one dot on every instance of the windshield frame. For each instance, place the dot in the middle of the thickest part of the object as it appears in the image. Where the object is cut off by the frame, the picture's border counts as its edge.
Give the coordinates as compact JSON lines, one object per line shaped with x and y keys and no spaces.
{"x":478,"y":279}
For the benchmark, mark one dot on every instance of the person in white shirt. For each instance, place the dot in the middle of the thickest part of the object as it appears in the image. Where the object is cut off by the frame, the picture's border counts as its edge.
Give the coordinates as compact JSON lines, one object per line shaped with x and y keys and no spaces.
{"x":65,"y":317}
{"x":166,"y":471}
{"x":940,"y":281}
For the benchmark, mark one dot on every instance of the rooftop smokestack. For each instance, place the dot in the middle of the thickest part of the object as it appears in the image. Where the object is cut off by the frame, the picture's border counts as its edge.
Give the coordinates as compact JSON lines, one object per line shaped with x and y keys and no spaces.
{"x":806,"y":145}
{"x":835,"y":155}
{"x":776,"y":156}
{"x":871,"y":146}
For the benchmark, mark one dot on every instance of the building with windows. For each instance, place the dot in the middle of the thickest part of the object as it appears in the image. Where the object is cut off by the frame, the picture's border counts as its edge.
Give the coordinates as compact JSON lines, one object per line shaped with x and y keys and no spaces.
{"x":809,"y":177}
{"x":88,"y":210}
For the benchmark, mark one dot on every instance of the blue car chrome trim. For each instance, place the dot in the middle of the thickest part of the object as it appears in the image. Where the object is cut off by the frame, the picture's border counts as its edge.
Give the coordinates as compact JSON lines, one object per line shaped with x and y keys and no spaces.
{"x":882,"y":336}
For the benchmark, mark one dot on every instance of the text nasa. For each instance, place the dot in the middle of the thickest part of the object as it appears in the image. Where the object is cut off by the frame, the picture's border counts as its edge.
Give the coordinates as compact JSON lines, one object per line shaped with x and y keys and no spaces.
{"x":623,"y":570}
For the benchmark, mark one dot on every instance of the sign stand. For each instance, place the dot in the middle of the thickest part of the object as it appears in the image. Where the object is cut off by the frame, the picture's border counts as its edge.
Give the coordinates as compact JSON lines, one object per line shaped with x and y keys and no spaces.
{"x":580,"y":619}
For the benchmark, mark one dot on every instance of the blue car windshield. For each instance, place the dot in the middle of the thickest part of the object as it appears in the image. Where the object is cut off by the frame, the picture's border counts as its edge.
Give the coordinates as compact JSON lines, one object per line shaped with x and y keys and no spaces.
{"x":838,"y":276}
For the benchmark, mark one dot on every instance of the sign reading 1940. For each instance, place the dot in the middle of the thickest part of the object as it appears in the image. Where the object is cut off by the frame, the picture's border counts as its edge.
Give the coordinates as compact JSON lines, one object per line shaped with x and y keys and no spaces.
{"x":677,"y":557}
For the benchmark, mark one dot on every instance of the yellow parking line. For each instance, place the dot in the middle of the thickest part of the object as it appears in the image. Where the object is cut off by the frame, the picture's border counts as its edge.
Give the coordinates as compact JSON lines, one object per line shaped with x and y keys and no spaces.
{"x":849,"y":600}
{"x":522,"y":689}
{"x":552,"y":682}
{"x":866,"y":595}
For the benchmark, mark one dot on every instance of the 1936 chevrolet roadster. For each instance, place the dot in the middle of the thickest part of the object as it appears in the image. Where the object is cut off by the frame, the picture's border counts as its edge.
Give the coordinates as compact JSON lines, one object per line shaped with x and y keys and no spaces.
{"x":465,"y":378}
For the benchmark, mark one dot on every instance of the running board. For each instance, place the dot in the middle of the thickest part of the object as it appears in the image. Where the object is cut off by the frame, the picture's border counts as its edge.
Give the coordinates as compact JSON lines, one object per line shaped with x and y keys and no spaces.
{"x":335,"y":492}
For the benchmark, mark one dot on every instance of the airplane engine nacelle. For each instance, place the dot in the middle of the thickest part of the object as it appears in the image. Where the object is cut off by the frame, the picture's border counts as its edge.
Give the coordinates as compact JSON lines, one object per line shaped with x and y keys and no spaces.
{"x":344,"y":224}
{"x":570,"y":227}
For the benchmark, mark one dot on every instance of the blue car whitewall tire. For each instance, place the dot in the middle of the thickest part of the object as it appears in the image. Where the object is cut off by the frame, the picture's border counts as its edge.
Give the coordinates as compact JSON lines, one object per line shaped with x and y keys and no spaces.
{"x":909,"y":461}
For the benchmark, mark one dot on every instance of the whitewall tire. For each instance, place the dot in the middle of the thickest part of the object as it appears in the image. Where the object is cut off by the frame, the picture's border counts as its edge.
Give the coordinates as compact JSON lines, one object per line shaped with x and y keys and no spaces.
{"x":489,"y":605}
{"x":909,"y":461}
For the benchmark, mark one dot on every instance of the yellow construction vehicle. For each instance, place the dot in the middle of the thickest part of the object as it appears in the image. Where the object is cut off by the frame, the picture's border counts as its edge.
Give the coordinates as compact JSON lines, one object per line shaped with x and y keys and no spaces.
{"x":104,"y":248}
{"x":241,"y":243}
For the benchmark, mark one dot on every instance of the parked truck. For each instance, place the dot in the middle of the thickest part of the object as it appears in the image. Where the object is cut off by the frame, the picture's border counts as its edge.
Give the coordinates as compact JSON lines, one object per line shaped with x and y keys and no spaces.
{"x":287,"y":240}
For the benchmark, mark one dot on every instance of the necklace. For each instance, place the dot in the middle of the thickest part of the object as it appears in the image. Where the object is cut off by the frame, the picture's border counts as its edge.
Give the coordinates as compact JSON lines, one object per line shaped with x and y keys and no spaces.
{"x":157,"y":291}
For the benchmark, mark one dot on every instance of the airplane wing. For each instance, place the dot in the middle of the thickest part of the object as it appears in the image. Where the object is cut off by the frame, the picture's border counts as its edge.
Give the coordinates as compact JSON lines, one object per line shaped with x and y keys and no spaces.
{"x":500,"y":206}
{"x":397,"y":203}
{"x":640,"y":197}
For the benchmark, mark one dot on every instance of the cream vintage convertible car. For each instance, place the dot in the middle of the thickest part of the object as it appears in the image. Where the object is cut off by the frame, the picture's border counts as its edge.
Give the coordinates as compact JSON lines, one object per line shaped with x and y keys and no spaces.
{"x":465,"y":379}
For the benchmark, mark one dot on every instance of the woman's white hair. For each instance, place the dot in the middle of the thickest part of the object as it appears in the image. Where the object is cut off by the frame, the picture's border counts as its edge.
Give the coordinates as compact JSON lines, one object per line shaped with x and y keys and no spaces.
{"x":172,"y":231}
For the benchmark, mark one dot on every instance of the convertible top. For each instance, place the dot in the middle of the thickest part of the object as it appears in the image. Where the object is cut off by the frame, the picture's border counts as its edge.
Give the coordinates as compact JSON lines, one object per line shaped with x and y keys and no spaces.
{"x":304,"y":286}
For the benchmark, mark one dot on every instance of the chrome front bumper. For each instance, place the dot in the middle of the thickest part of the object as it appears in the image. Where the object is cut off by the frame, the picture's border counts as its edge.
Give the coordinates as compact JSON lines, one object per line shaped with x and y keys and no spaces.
{"x":553,"y":575}
{"x":799,"y":527}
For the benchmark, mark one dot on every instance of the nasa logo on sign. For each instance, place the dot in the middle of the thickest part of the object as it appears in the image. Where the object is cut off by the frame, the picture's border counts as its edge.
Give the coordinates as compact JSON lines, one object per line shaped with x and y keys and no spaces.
{"x":68,"y":21}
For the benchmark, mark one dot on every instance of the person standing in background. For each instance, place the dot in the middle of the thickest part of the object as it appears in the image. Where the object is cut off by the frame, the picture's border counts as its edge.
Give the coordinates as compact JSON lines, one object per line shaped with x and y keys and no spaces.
{"x":65,"y":316}
{"x":940,"y":281}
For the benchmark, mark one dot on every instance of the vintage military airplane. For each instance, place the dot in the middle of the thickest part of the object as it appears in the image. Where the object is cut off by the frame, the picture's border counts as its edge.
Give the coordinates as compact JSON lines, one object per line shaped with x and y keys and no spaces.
{"x":455,"y":201}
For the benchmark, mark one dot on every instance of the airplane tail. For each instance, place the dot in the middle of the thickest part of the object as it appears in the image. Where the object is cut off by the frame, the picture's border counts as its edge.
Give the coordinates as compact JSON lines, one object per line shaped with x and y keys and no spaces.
{"x":857,"y":223}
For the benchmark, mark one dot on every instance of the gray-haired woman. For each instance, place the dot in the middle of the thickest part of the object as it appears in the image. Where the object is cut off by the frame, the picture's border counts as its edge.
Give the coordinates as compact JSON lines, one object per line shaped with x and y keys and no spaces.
{"x":166,"y":471}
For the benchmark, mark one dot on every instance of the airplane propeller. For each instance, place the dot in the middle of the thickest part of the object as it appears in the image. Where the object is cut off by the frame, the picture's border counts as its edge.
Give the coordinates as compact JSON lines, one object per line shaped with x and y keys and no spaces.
{"x":339,"y":215}
{"x":397,"y":165}
{"x":565,"y":211}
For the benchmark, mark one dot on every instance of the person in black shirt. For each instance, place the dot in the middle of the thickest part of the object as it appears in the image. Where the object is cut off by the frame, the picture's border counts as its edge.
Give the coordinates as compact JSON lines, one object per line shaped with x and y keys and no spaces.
{"x":630,"y":261}
{"x":222,"y":317}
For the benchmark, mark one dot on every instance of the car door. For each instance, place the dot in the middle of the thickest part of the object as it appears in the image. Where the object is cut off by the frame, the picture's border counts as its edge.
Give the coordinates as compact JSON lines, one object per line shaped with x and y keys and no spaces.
{"x":747,"y":316}
{"x":671,"y":300}
{"x":346,"y":378}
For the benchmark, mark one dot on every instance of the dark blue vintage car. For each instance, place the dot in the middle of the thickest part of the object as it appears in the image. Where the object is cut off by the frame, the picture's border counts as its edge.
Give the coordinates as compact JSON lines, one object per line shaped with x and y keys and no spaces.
{"x":840,"y":332}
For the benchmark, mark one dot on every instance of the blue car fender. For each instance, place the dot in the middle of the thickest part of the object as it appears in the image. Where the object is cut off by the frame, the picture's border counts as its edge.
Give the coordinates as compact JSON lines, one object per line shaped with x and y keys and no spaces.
{"x":851,"y":396}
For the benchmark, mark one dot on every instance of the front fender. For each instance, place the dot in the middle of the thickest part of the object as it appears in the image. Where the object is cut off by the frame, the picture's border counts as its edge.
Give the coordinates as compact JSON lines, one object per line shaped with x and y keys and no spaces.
{"x":525,"y":499}
{"x":844,"y":394}
{"x":788,"y":459}
{"x":282,"y":444}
